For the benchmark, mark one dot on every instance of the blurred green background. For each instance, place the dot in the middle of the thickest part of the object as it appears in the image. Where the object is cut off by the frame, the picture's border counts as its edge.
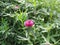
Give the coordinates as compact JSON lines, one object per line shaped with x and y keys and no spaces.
{"x":46,"y":16}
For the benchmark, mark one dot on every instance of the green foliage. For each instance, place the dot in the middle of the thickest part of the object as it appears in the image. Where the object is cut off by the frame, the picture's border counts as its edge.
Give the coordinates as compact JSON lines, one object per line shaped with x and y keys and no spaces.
{"x":46,"y":29}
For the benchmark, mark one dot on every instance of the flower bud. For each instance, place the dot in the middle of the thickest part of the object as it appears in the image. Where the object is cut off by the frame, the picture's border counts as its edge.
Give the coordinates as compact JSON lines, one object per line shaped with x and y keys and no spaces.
{"x":29,"y":23}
